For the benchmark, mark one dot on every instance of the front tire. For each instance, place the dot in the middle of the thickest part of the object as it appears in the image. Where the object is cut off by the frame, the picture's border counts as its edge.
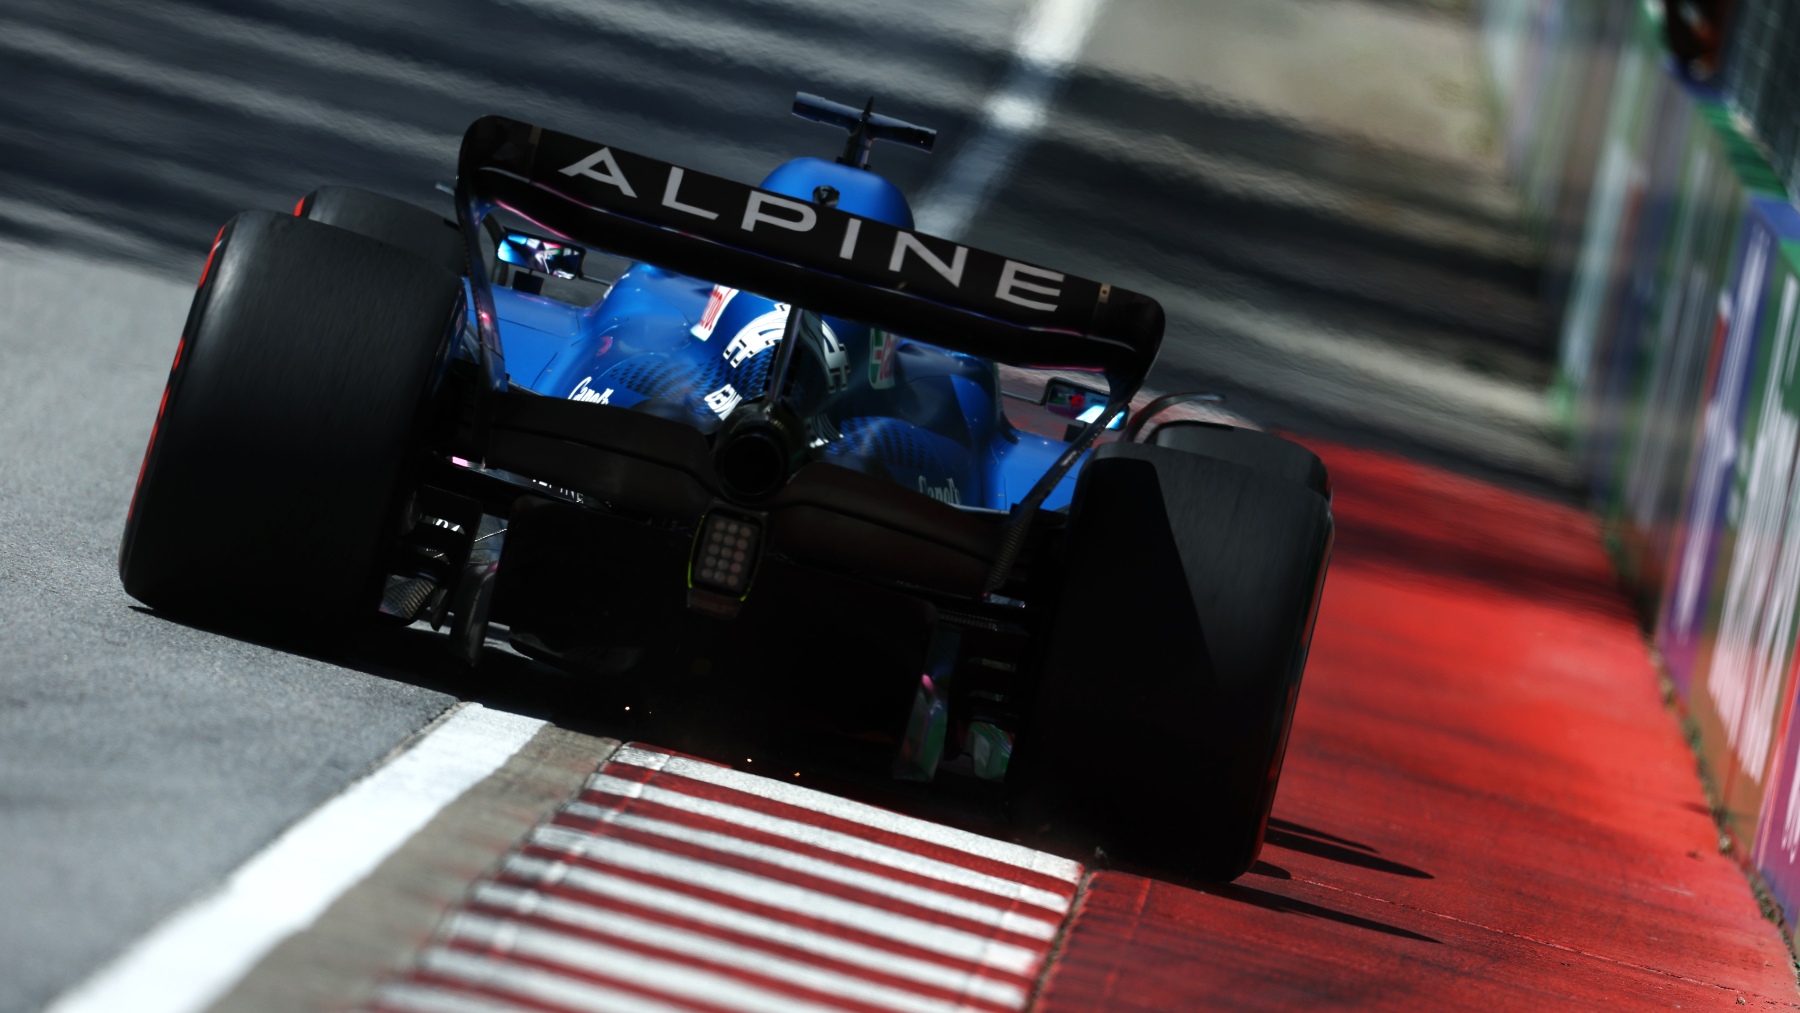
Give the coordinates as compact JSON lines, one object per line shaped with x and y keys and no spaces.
{"x":292,"y":418}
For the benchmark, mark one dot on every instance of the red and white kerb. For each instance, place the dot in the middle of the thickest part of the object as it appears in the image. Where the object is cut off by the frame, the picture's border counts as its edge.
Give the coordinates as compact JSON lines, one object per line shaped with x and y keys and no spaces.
{"x":672,"y":884}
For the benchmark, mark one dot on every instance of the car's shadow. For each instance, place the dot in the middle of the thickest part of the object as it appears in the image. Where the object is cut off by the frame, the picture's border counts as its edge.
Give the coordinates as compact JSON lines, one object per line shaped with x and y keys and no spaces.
{"x":664,"y":702}
{"x":672,"y":709}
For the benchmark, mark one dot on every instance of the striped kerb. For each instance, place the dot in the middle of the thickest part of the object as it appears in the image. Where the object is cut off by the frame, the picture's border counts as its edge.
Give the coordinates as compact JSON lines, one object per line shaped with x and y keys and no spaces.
{"x":673,"y":884}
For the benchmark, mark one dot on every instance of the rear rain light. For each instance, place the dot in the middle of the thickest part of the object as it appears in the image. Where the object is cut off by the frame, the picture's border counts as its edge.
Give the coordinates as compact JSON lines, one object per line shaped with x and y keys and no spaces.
{"x":725,"y":553}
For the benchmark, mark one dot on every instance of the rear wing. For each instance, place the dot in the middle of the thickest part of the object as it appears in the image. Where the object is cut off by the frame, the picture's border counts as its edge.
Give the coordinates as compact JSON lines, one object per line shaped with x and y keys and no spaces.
{"x":803,"y":253}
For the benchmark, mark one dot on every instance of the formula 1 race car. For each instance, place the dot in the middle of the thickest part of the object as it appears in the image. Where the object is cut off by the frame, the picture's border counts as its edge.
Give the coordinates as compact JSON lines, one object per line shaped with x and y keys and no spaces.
{"x":785,"y":448}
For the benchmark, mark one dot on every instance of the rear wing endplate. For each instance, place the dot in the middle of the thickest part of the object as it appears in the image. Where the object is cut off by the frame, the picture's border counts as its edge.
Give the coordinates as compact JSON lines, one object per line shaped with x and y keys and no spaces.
{"x":798,"y":252}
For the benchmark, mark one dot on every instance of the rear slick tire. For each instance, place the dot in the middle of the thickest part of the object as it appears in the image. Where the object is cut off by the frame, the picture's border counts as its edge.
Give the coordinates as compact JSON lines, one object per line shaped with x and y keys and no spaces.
{"x":418,"y":231}
{"x":1174,"y":657}
{"x":292,"y":418}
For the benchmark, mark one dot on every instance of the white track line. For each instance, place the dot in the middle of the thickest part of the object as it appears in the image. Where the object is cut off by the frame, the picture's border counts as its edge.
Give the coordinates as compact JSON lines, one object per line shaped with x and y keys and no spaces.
{"x":729,"y":919}
{"x":774,"y":893}
{"x":1048,"y":43}
{"x":1014,"y":855}
{"x":194,"y":957}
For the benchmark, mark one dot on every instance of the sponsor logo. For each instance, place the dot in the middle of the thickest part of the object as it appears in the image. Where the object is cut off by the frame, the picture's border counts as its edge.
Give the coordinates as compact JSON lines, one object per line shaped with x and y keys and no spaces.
{"x":602,"y":166}
{"x":1013,"y":280}
{"x":568,"y":494}
{"x":837,"y":357}
{"x":908,"y":256}
{"x":715,"y":307}
{"x":946,"y":493}
{"x":583,"y":392}
{"x":1755,"y":638}
{"x":723,"y":400}
{"x":765,"y":332}
{"x":882,"y":347}
{"x":1718,"y":439}
{"x":757,"y":336}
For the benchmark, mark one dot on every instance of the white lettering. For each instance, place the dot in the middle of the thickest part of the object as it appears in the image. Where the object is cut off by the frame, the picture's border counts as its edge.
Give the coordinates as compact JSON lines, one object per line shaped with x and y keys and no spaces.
{"x":670,"y":199}
{"x":756,"y":336}
{"x":952,"y":271}
{"x":837,"y":358}
{"x":753,"y":213}
{"x":1753,"y":646}
{"x":612,"y":175}
{"x":584,"y":393}
{"x":723,"y":400}
{"x":1011,"y":283}
{"x":947,"y":494}
{"x":851,"y":231}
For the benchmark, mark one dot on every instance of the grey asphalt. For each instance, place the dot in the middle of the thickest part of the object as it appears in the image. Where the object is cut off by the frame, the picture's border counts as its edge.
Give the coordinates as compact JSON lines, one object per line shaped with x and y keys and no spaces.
{"x":139,"y":759}
{"x":1304,"y":183}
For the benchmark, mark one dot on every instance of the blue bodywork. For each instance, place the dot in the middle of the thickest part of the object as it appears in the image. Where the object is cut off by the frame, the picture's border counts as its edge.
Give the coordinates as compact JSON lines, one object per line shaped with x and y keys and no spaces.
{"x":927,"y":417}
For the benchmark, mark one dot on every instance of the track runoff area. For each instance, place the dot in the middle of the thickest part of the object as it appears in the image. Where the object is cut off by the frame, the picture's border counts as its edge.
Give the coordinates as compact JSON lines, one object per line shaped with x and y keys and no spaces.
{"x":1485,"y":805}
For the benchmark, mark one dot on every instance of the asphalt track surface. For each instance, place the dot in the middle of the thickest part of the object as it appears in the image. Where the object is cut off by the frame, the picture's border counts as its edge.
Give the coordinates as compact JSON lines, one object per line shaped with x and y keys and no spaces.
{"x":1333,"y":244}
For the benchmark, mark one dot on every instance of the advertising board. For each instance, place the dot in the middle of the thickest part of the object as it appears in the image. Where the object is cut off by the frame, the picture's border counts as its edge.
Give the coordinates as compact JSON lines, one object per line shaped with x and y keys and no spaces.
{"x":1606,"y":406}
{"x":1750,"y":678}
{"x":1694,"y":557}
{"x":1615,"y":211}
{"x":1683,"y":333}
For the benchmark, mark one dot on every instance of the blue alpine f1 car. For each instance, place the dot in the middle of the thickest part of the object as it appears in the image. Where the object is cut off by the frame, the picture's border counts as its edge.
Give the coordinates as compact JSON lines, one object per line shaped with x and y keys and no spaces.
{"x":869,"y":482}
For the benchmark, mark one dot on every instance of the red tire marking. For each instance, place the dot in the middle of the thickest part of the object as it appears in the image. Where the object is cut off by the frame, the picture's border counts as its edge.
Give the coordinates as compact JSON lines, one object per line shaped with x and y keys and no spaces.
{"x":163,"y":405}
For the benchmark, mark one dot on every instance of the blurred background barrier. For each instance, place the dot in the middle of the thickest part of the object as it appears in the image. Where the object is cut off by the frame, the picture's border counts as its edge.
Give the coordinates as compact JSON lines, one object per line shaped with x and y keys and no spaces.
{"x":1657,"y":151}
